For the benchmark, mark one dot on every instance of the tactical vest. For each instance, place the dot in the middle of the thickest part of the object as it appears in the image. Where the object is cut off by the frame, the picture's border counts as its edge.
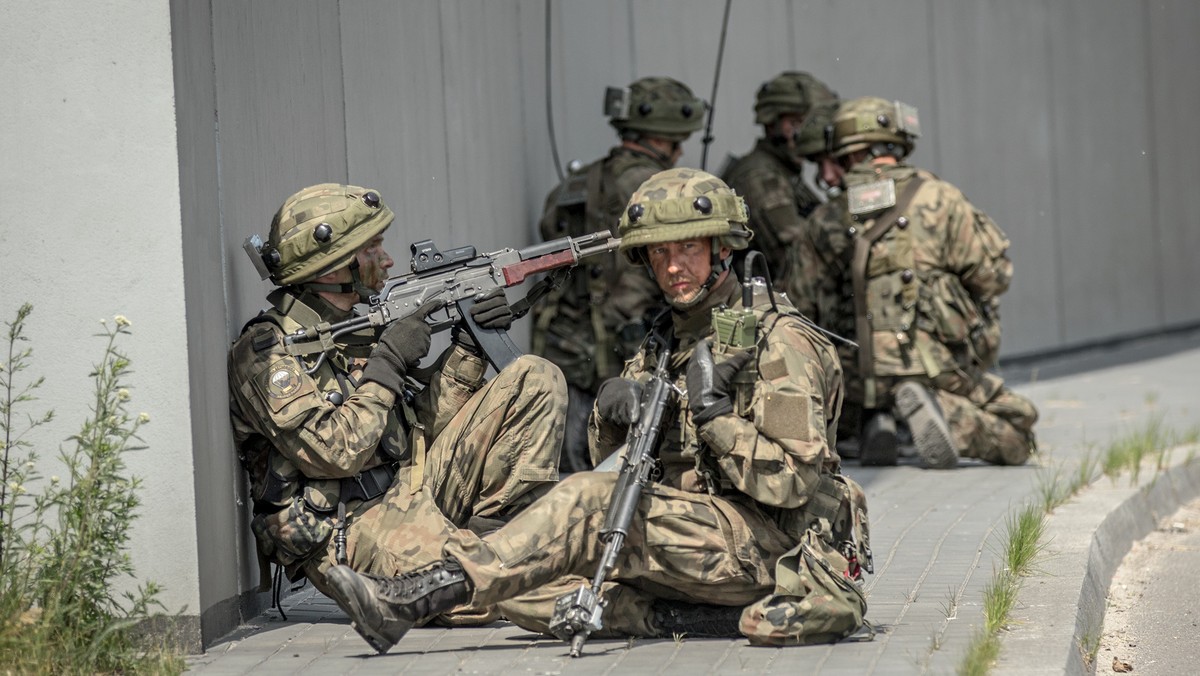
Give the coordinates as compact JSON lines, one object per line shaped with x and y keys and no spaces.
{"x":294,"y":516}
{"x":837,"y":509}
{"x":895,"y":299}
{"x":569,"y":324}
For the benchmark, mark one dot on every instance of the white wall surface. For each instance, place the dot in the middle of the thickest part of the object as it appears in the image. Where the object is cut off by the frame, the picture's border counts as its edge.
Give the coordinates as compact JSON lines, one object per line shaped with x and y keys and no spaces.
{"x":90,"y":228}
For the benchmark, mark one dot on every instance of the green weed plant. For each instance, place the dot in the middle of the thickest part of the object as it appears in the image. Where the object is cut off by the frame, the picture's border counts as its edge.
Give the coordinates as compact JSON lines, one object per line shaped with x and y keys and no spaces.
{"x":64,"y":541}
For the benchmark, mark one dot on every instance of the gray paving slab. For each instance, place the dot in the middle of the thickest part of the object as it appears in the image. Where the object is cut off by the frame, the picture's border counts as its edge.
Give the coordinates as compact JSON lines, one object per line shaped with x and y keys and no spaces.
{"x":936,"y":536}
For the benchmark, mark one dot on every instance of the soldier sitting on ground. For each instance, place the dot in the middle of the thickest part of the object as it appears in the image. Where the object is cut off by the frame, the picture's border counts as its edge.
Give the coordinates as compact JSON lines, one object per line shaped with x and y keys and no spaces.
{"x":905,"y":264}
{"x":749,"y":529}
{"x":366,"y":460}
{"x":596,"y":320}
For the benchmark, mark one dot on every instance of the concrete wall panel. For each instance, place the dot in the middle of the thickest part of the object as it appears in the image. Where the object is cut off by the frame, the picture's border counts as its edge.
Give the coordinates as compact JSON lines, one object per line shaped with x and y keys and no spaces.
{"x":1173,"y":102}
{"x":1099,"y":136}
{"x":395,"y":122}
{"x":992,"y":85}
{"x":280,"y":116}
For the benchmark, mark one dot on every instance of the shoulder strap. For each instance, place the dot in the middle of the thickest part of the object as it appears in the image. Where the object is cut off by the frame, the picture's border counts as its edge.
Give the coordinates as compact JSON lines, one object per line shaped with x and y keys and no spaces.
{"x":858,"y":273}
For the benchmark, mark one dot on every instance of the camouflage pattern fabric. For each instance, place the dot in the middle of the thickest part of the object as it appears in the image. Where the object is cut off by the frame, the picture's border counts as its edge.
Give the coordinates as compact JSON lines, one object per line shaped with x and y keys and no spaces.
{"x":933,"y":289}
{"x":619,"y":294}
{"x":764,"y":463}
{"x":595,"y":321}
{"x":770,"y":181}
{"x":473,"y":448}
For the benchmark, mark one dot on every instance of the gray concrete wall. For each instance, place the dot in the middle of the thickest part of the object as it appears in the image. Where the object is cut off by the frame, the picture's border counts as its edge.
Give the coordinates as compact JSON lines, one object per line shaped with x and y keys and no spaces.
{"x":160,"y":135}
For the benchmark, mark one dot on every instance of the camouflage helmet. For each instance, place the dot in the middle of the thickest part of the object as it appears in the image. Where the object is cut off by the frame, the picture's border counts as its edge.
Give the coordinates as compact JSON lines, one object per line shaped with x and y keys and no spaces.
{"x":816,"y":136}
{"x":658,"y":106}
{"x":320,"y":229}
{"x":786,"y":93}
{"x":864,"y":122}
{"x":681,"y":204}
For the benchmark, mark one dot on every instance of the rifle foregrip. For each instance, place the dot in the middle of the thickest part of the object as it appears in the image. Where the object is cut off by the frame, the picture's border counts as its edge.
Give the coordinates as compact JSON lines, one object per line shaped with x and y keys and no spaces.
{"x":517,"y":272}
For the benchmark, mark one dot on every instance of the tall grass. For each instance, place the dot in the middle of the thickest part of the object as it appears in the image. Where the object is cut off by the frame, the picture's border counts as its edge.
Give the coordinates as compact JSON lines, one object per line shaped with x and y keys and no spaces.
{"x":64,"y":541}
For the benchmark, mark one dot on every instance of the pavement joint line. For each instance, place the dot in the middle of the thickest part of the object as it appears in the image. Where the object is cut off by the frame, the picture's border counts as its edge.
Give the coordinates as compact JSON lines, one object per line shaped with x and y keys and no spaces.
{"x":1117,"y":515}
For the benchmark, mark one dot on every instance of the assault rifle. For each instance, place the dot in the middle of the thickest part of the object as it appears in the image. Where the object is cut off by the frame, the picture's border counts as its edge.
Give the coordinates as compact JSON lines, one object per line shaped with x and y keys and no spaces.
{"x":578,"y":614}
{"x":457,"y":277}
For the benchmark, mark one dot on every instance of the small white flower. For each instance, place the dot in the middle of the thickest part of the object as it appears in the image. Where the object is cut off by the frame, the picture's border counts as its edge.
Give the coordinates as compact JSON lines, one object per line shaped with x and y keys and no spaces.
{"x":143,"y":417}
{"x":123,"y":394}
{"x":29,"y":465}
{"x":103,"y":321}
{"x":54,"y":479}
{"x":121,"y":320}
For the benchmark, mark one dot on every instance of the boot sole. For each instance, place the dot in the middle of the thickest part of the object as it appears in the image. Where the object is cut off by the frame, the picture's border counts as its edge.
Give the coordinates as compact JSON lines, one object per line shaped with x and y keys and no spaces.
{"x":878,"y":441}
{"x":931,"y":434}
{"x":341,"y":580}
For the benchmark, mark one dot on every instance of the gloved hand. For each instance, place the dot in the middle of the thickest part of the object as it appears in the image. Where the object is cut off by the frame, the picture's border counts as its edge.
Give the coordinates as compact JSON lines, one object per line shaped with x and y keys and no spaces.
{"x":492,"y":311}
{"x":618,"y":401}
{"x":708,"y":383}
{"x":400,"y":347}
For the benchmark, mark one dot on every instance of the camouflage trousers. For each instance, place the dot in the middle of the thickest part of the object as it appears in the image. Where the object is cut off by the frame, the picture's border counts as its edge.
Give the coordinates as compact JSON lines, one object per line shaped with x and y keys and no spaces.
{"x":987,"y":420}
{"x":496,"y":455}
{"x":682,"y":546}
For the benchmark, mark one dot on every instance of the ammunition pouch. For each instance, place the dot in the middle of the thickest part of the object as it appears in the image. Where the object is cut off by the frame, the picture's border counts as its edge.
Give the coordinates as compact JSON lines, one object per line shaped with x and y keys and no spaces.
{"x":954,"y":318}
{"x":837,"y":512}
{"x":294,"y":516}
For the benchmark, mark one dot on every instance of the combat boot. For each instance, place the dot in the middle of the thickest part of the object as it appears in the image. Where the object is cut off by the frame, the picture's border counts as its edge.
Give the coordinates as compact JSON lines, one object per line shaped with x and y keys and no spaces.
{"x":696,"y":620}
{"x":930,"y":431}
{"x":383,"y":609}
{"x":877,"y":443}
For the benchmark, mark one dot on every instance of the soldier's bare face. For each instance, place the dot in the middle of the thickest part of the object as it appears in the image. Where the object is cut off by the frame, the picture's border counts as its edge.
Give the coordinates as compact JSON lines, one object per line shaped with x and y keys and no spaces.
{"x":830,"y":171}
{"x":680,"y":268}
{"x":373,"y":263}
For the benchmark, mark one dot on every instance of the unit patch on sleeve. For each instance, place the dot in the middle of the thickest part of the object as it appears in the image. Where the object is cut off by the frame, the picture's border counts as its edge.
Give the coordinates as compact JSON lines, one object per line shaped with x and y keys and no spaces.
{"x":284,"y":380}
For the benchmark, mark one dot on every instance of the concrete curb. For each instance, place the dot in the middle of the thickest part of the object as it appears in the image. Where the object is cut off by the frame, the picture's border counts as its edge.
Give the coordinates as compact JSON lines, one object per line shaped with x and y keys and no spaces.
{"x":1060,"y":609}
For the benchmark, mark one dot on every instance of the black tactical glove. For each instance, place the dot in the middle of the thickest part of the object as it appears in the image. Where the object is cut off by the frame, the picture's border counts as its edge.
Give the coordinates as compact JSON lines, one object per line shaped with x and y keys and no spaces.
{"x":400,"y":347}
{"x":618,"y":401}
{"x":708,"y":383}
{"x":492,"y":311}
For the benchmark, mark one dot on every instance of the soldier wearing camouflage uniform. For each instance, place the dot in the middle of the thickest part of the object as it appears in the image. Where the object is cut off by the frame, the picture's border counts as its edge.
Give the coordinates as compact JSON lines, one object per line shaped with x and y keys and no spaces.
{"x":368,"y":460}
{"x":904,"y":262}
{"x":596,"y":320}
{"x":750,"y":529}
{"x":791,"y":108}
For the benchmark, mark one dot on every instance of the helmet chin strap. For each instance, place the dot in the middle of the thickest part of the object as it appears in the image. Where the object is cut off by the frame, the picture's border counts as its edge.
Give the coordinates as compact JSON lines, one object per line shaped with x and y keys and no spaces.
{"x":354,"y":286}
{"x":655,"y":152}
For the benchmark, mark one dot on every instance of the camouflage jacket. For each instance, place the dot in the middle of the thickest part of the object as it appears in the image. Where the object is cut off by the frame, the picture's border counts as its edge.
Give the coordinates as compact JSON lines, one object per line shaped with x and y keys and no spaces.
{"x":932,"y":280}
{"x":780,"y":203}
{"x":596,"y":320}
{"x":301,"y":437}
{"x":777,"y":444}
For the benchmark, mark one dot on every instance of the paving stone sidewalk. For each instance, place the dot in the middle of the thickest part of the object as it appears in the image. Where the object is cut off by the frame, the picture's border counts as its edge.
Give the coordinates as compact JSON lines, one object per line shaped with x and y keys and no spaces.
{"x":936,"y":537}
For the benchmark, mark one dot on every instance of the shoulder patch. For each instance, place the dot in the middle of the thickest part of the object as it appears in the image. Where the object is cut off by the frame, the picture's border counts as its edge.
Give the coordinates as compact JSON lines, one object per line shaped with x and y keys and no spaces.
{"x":284,"y":379}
